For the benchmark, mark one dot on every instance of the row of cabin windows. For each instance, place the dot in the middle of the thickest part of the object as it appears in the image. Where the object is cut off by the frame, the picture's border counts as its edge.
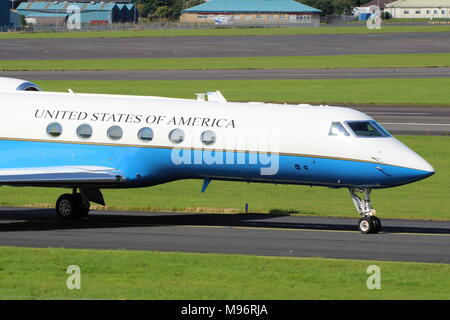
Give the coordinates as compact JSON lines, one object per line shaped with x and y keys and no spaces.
{"x":427,"y":11}
{"x":176,"y":136}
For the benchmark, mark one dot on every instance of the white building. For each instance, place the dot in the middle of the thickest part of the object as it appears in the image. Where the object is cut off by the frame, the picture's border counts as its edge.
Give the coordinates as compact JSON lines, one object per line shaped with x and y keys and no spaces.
{"x":413,"y":9}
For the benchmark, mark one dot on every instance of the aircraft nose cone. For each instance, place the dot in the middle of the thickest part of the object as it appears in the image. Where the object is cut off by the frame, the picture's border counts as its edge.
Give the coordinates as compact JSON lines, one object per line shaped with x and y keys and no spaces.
{"x":423,"y":165}
{"x":425,"y":174}
{"x":421,"y":168}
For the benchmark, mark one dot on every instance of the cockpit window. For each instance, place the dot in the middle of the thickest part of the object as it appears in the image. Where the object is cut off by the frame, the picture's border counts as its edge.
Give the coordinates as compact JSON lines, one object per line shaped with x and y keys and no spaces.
{"x":367,"y":129}
{"x":337,"y":129}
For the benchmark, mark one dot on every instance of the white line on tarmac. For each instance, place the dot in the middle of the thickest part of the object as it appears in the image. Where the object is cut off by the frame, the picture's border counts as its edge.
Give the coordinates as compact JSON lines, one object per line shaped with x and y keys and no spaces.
{"x":416,"y":124}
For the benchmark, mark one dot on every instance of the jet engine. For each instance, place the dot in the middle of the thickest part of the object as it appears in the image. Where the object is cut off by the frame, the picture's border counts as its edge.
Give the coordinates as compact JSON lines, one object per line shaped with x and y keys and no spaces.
{"x":11,"y":84}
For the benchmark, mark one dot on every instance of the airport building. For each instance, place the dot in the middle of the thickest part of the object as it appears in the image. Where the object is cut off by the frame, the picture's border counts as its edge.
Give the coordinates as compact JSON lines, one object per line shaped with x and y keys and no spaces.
{"x":5,"y":6}
{"x":419,"y":9}
{"x":252,"y":12}
{"x":92,"y":13}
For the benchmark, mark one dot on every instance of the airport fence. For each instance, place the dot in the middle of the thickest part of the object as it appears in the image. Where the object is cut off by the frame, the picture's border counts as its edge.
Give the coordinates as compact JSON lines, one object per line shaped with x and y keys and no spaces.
{"x":60,"y":27}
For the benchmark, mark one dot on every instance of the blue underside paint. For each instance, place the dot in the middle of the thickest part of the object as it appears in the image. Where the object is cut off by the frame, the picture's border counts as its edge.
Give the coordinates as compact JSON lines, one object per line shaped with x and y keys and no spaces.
{"x":151,"y":166}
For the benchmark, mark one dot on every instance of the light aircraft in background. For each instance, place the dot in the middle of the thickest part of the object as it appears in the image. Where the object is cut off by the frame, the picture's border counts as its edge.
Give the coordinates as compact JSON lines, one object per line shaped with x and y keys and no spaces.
{"x":90,"y":142}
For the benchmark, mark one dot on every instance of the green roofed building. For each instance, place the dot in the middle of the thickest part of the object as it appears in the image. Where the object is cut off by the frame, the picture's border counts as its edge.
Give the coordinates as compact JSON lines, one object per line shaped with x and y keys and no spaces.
{"x":252,"y":12}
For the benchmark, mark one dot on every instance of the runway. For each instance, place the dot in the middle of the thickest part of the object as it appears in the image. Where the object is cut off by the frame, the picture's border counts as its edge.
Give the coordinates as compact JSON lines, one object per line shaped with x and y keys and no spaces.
{"x":246,"y":74}
{"x":253,"y":234}
{"x":412,"y":120}
{"x":225,"y":46}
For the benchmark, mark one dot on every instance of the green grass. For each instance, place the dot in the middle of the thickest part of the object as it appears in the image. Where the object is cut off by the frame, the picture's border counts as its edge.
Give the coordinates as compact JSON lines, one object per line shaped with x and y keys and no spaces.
{"x":289,"y":62}
{"x":337,"y":91}
{"x":426,"y":199}
{"x":41,"y":273}
{"x":222,"y":32}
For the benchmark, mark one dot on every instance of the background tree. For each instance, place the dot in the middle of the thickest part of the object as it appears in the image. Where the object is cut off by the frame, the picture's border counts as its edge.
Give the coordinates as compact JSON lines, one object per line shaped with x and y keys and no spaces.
{"x":334,"y":6}
{"x":23,"y":21}
{"x":148,"y":8}
{"x":163,"y":12}
{"x":343,"y":6}
{"x":326,"y":6}
{"x":193,"y":3}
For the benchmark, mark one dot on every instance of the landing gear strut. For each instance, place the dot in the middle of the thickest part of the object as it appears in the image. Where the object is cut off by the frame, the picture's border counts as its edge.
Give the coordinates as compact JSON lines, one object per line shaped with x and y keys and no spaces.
{"x":72,"y":206}
{"x":369,"y":223}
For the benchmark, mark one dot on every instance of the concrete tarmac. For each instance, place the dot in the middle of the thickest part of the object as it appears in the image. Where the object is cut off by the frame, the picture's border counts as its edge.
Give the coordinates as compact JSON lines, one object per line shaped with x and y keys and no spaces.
{"x":247,"y":74}
{"x":225,"y":46}
{"x":252,"y":234}
{"x":412,"y":120}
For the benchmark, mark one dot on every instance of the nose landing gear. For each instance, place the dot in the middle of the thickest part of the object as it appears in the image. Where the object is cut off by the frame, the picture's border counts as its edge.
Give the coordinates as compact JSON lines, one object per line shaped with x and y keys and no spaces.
{"x":369,"y":223}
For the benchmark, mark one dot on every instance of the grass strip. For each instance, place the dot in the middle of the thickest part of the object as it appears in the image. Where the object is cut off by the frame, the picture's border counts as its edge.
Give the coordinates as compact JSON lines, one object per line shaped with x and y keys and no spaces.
{"x":326,"y":91}
{"x":222,"y":32}
{"x":288,"y":62}
{"x":41,"y":273}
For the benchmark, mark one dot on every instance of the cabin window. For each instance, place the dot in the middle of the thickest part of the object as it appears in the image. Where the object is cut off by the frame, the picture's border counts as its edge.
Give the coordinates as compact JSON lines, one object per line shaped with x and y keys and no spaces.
{"x":54,"y":129}
{"x":208,"y":137}
{"x":84,"y":131}
{"x":367,"y":129}
{"x":145,"y":134}
{"x":337,"y":129}
{"x":176,"y":136}
{"x":115,"y":132}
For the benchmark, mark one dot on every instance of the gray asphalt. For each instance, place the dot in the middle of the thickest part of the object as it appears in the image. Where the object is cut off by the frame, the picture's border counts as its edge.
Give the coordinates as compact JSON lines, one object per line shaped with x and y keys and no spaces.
{"x":250,"y":74}
{"x":414,"y":120}
{"x":224,"y":46}
{"x":254,"y":234}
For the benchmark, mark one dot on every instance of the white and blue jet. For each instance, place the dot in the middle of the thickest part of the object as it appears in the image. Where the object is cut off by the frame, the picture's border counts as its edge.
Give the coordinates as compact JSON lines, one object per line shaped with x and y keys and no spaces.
{"x":89,"y":142}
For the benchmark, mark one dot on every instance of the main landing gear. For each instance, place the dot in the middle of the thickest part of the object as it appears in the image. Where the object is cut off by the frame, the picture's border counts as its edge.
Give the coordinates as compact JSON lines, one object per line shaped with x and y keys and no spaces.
{"x":73,"y":206}
{"x":369,"y":223}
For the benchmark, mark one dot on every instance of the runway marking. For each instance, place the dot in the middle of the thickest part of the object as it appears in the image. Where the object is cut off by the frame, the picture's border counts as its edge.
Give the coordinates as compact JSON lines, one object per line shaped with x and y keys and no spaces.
{"x":402,"y":113}
{"x":416,"y":124}
{"x":256,"y":228}
{"x":313,"y":230}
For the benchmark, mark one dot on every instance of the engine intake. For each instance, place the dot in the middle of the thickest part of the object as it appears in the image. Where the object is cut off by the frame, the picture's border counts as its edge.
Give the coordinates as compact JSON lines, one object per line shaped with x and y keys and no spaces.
{"x":11,"y":84}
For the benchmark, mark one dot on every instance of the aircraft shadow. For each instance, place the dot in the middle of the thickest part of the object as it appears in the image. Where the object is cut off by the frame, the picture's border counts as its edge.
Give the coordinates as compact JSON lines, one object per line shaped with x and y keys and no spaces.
{"x":45,"y":219}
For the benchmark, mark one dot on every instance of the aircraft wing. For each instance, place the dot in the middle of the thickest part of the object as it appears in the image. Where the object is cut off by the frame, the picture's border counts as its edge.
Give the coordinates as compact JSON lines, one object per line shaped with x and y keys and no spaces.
{"x":62,"y":176}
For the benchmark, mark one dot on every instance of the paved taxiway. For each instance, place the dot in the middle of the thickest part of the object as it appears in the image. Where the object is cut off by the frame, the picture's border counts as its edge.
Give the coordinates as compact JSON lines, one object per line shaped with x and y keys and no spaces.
{"x":413,"y":120}
{"x":254,"y":234}
{"x":224,"y":46}
{"x":249,"y":74}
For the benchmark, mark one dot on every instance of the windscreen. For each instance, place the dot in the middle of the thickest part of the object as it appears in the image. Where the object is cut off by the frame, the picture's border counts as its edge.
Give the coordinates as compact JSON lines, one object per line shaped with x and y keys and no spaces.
{"x":337,"y":129}
{"x":367,"y":129}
